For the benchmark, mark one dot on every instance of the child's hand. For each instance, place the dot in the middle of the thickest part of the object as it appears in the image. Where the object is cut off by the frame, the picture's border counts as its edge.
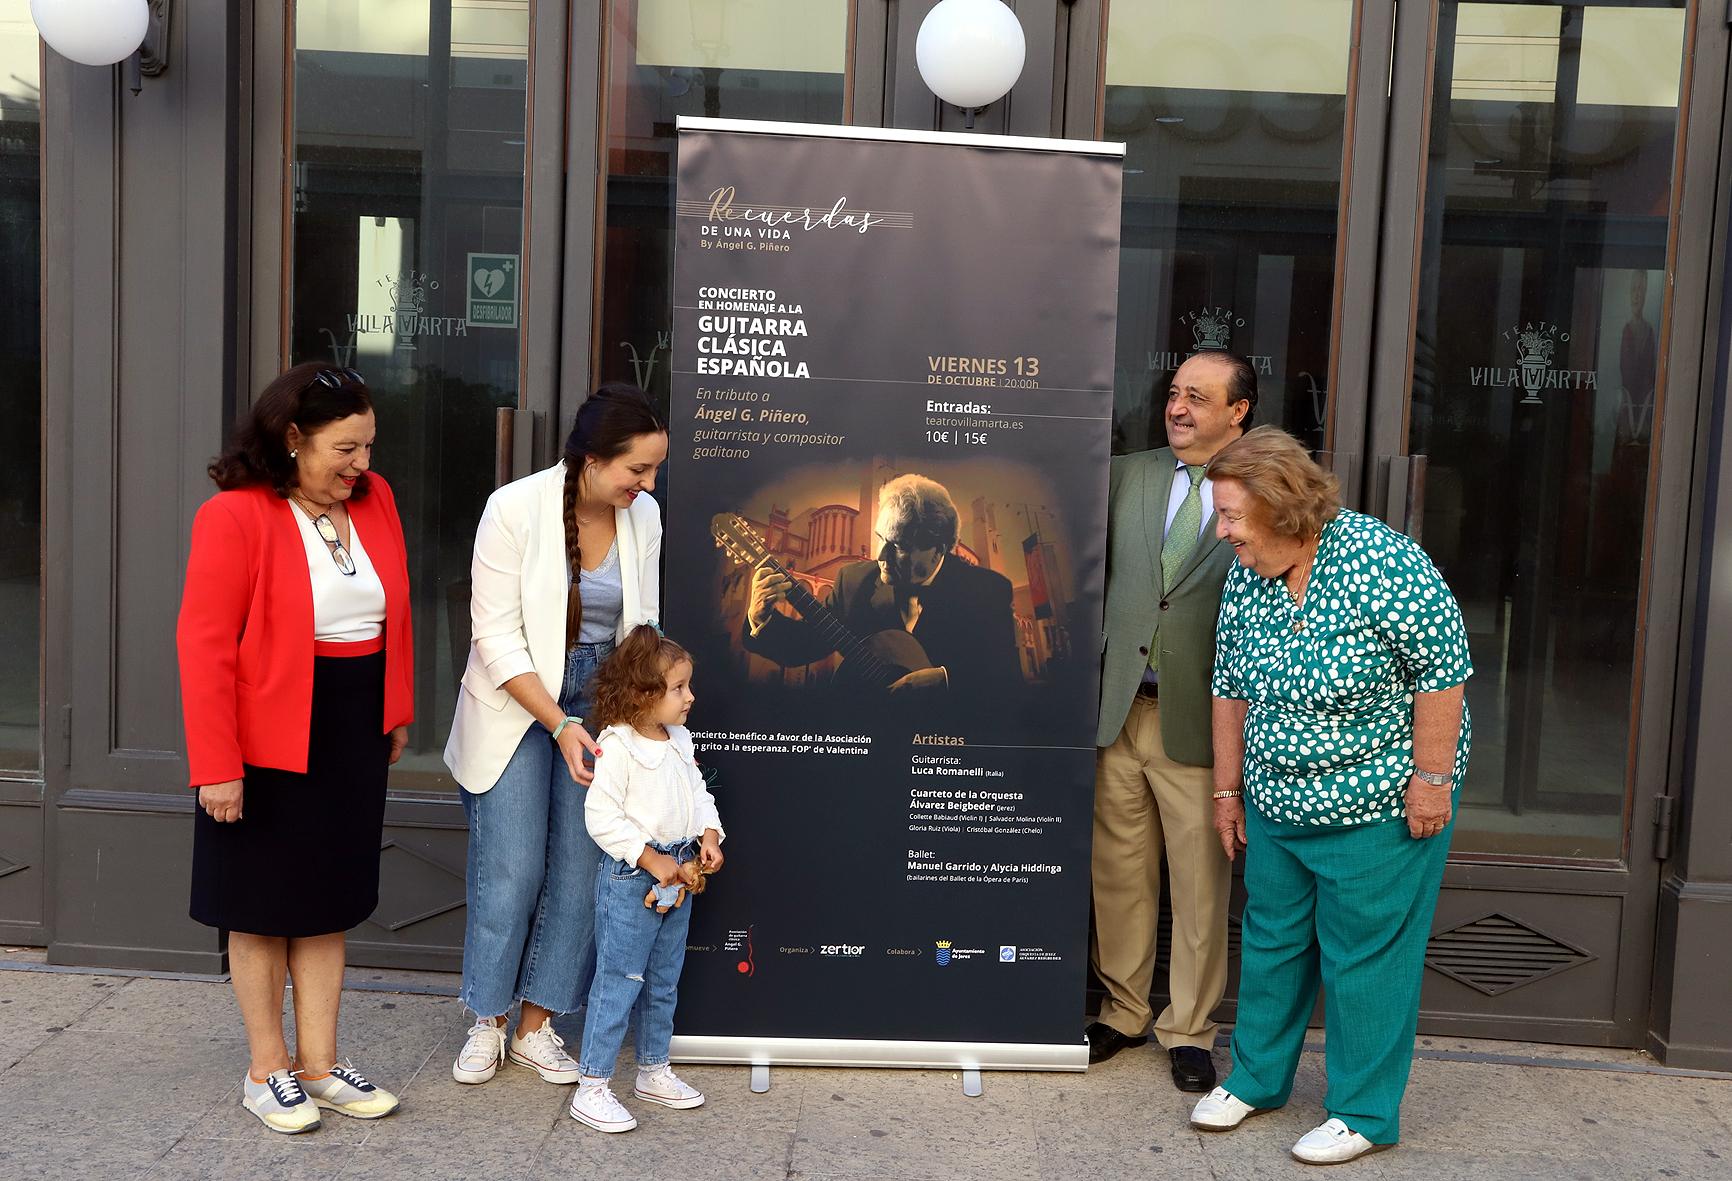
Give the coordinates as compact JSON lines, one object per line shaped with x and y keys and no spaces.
{"x":710,"y":851}
{"x":664,"y":869}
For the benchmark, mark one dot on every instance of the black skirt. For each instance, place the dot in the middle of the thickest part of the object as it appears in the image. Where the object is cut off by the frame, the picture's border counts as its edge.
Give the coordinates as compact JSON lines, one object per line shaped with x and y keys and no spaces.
{"x":304,"y":857}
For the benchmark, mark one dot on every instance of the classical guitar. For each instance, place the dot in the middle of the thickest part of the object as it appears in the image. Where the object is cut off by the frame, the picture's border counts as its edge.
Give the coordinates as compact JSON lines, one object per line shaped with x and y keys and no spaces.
{"x":875,"y":661}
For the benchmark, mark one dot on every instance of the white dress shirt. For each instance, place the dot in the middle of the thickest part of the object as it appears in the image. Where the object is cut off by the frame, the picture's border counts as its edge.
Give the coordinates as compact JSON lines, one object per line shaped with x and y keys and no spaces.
{"x":1182,"y":485}
{"x":646,"y":791}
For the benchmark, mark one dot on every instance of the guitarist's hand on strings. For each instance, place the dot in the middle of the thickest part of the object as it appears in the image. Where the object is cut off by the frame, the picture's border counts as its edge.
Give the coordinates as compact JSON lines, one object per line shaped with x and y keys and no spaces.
{"x":769,"y":587}
{"x":921,"y":680}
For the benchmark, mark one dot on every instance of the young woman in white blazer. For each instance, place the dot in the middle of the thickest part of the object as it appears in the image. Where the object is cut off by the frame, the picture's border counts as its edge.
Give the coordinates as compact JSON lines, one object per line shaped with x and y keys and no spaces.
{"x":566,"y":562}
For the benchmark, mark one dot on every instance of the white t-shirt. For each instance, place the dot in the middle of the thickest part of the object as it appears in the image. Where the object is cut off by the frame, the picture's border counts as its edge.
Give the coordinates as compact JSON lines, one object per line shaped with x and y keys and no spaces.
{"x":347,"y":608}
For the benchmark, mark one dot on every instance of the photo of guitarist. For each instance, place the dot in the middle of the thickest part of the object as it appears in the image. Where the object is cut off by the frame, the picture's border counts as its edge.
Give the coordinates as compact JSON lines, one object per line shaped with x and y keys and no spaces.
{"x":958,"y":614}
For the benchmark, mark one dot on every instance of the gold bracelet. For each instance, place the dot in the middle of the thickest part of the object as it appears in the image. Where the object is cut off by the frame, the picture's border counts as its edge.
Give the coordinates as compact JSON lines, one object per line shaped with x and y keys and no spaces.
{"x":1228,"y":795}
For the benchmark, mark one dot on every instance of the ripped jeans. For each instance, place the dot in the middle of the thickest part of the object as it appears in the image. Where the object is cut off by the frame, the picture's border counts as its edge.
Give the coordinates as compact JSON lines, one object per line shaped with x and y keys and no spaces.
{"x":638,"y":957}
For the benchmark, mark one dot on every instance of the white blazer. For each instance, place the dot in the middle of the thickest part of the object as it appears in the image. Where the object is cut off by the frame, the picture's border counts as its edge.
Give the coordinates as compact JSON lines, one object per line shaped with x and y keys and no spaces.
{"x":518,"y":584}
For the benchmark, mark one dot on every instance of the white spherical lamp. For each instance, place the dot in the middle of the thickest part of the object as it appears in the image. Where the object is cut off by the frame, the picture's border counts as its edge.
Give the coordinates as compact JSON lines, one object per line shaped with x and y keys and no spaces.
{"x":92,"y":32}
{"x":970,"y":52}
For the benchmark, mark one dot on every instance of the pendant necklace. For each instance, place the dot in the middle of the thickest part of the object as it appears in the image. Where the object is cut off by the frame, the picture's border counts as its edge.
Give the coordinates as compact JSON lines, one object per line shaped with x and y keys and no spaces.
{"x":1296,"y":595}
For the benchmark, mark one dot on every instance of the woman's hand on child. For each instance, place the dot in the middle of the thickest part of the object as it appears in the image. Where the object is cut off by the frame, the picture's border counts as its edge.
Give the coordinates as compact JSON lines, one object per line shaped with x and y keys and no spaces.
{"x":573,"y":741}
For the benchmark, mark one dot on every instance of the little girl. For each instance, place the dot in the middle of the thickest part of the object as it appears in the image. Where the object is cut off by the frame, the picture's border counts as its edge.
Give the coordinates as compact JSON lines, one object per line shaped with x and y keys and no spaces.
{"x":650,"y":812}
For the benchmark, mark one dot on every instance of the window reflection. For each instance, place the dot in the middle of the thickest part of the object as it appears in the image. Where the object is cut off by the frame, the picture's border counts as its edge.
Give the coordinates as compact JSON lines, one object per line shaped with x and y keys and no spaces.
{"x":1233,"y":115}
{"x":408,"y":209}
{"x":735,"y":59}
{"x":1537,"y":351}
{"x":20,"y":390}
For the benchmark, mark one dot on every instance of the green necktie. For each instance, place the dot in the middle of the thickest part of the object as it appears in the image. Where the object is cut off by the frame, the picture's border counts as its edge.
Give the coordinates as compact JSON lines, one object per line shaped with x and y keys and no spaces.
{"x":1181,"y":543}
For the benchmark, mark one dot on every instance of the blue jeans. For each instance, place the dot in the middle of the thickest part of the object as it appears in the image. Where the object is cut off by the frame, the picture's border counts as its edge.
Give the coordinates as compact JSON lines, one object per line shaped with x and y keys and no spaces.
{"x":638,"y":957}
{"x":529,"y":935}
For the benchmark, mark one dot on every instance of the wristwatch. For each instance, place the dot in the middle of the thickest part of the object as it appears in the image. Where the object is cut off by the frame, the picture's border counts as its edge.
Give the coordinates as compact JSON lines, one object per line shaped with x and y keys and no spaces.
{"x":1435,"y":778}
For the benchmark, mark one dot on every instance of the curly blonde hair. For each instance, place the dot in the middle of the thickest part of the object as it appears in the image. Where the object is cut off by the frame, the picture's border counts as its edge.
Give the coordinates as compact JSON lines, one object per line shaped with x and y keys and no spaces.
{"x":633,"y":677}
{"x":1297,"y":496}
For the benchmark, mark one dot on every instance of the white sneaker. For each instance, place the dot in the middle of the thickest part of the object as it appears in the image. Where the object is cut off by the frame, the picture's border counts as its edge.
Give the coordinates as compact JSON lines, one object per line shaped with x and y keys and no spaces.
{"x":1219,"y":1111}
{"x":280,"y":1102}
{"x":659,"y":1084}
{"x":593,"y":1104}
{"x":345,"y":1091}
{"x":1331,"y":1143}
{"x":481,"y":1055}
{"x":543,"y":1051}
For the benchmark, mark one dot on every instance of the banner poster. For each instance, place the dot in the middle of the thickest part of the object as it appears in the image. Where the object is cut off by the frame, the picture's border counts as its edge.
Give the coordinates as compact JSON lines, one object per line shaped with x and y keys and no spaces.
{"x":886,"y":538}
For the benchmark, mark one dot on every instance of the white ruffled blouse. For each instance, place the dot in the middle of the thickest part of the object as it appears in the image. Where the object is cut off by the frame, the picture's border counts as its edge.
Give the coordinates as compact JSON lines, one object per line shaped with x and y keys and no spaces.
{"x":647,"y":791}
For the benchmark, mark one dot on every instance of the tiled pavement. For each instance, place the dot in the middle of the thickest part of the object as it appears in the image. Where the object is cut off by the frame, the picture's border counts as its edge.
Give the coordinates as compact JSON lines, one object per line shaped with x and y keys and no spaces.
{"x":135,"y":1077}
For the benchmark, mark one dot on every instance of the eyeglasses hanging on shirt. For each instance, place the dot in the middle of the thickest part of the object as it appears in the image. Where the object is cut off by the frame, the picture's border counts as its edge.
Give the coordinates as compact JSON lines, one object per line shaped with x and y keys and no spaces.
{"x":327,"y":531}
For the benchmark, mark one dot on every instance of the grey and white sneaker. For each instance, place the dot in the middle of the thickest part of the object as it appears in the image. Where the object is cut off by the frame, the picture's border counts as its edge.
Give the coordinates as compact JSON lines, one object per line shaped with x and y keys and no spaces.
{"x":659,"y":1084}
{"x":346,"y":1091}
{"x":280,"y":1102}
{"x":482,"y":1053}
{"x":594,"y":1104}
{"x":543,"y":1051}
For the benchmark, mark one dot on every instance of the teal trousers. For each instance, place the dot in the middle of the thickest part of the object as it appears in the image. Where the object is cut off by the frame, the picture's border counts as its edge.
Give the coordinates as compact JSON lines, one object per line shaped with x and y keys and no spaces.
{"x":1349,"y":908}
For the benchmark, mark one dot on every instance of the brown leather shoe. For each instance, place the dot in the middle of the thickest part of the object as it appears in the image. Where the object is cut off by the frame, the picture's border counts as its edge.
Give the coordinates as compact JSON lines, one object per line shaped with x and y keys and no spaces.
{"x":1105,"y":1041}
{"x":1193,"y":1068}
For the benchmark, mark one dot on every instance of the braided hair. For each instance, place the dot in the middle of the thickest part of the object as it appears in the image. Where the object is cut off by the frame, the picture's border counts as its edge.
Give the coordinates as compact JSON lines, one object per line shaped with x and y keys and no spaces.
{"x":607,"y":423}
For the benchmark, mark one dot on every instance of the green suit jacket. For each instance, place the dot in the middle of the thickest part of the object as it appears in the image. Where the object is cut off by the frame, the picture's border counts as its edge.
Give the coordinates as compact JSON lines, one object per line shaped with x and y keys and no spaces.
{"x":1140,"y":610}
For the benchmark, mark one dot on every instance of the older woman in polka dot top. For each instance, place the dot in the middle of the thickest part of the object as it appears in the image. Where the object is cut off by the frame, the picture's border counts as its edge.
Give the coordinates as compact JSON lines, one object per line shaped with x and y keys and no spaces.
{"x":1341,"y":741}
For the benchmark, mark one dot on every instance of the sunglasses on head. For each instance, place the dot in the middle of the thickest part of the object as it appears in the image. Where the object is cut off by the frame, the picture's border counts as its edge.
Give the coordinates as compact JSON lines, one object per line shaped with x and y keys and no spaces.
{"x":336,"y":379}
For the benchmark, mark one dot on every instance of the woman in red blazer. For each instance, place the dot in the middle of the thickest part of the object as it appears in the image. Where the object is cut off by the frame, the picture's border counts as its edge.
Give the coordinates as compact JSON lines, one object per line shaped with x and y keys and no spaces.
{"x":296,"y":688}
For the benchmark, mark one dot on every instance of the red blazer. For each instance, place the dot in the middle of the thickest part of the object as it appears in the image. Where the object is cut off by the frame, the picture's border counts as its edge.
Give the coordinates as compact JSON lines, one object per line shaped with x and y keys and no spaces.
{"x":245,"y":635}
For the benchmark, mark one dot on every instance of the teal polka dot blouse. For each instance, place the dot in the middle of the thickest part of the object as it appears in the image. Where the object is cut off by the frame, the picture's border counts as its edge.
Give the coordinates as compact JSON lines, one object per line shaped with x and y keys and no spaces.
{"x":1330,"y":683}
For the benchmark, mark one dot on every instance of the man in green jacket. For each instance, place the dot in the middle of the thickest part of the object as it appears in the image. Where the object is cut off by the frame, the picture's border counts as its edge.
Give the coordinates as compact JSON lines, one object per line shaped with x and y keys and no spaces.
{"x":1165,"y":568}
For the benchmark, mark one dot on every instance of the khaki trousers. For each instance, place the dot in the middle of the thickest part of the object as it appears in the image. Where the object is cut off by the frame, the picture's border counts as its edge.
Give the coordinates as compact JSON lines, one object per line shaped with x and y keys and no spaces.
{"x":1144,"y":801}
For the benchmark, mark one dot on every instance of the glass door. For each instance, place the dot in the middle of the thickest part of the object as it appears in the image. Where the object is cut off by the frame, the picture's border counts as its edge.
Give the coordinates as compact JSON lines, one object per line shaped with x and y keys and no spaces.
{"x":1236,"y":118}
{"x":1521,"y":401}
{"x":406,"y":188}
{"x":777,"y":60}
{"x":1446,"y":234}
{"x":22,"y":819}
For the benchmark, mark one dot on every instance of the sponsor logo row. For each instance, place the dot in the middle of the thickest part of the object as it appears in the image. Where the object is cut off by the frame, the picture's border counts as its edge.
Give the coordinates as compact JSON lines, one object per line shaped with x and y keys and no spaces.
{"x":943,"y":952}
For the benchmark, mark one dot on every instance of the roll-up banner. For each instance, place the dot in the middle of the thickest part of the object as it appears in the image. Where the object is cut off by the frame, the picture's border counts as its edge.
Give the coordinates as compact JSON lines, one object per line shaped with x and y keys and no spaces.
{"x":890,"y":429}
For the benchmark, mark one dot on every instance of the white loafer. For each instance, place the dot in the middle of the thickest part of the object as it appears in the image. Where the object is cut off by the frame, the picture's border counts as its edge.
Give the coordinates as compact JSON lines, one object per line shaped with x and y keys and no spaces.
{"x":1332,"y":1143}
{"x":1219,"y":1111}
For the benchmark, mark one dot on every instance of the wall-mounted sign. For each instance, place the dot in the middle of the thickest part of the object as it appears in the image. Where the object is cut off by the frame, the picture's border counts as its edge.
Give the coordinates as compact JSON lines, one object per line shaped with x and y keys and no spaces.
{"x":492,"y":291}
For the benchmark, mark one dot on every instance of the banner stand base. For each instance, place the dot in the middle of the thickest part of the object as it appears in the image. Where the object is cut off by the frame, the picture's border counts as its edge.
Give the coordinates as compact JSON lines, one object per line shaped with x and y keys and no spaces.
{"x":970,"y":1057}
{"x":760,"y":1078}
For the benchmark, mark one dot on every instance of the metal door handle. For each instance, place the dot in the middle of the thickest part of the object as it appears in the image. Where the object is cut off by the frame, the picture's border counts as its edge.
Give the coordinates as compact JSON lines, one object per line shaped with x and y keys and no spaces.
{"x":1345,"y":466}
{"x":516,"y":443}
{"x":504,"y":428}
{"x":1404,"y":492}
